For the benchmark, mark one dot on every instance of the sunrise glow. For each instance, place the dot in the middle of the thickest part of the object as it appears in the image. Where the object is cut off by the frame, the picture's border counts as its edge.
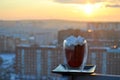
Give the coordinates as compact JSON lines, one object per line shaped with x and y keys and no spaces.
{"x":59,"y":9}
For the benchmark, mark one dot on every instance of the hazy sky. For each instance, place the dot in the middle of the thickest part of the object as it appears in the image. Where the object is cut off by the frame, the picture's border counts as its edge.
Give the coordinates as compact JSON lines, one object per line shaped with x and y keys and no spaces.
{"x":82,"y":10}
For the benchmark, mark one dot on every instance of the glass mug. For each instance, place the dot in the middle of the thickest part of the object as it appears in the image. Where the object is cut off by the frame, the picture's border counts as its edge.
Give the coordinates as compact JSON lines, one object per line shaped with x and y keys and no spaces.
{"x":76,"y":55}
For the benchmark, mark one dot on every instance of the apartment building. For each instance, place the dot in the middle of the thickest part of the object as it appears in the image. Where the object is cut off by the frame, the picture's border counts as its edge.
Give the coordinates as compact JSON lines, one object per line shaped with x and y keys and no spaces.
{"x":34,"y":62}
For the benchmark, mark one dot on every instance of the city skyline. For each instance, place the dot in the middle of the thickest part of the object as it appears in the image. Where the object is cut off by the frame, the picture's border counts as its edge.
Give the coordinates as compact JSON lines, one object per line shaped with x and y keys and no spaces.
{"x":79,"y":10}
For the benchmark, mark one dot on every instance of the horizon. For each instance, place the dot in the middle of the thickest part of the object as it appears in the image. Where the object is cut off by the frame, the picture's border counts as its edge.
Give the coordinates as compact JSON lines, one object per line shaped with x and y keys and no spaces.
{"x":73,"y":10}
{"x":56,"y":20}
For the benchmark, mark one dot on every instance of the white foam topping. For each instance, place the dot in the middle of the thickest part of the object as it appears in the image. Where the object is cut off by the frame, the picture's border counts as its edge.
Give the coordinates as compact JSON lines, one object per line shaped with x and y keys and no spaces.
{"x":73,"y":41}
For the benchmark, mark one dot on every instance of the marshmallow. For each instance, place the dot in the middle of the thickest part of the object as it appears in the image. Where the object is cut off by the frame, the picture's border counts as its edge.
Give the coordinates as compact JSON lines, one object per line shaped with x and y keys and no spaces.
{"x":73,"y":41}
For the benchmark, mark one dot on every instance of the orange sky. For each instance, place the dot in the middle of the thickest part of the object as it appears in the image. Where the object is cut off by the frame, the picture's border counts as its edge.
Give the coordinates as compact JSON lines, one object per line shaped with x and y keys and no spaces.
{"x":59,"y":9}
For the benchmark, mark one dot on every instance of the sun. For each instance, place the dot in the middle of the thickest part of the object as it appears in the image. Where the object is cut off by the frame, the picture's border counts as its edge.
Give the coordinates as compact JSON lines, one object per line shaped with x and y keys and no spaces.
{"x":88,"y":9}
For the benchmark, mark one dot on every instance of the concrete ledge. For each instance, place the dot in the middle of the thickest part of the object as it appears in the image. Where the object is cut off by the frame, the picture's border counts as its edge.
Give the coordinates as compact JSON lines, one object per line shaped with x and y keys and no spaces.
{"x":91,"y":77}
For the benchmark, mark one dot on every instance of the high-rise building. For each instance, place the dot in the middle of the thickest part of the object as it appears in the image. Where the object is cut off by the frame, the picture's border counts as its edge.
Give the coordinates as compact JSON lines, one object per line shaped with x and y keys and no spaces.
{"x":106,"y":58}
{"x":103,"y":26}
{"x":34,"y":62}
{"x":7,"y":44}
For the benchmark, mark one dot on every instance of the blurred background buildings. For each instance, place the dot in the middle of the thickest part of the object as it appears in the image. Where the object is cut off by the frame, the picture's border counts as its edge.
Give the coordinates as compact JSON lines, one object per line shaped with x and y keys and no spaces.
{"x":36,"y":54}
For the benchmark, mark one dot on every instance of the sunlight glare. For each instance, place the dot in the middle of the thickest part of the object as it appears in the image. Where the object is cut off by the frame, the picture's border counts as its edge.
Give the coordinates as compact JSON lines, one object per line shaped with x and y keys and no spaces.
{"x":88,"y":8}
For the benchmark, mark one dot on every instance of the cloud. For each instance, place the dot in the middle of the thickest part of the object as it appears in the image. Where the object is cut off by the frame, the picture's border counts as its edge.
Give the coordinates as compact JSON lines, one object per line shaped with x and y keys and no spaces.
{"x":78,"y":1}
{"x":113,"y":5}
{"x":110,"y":3}
{"x":69,"y":1}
